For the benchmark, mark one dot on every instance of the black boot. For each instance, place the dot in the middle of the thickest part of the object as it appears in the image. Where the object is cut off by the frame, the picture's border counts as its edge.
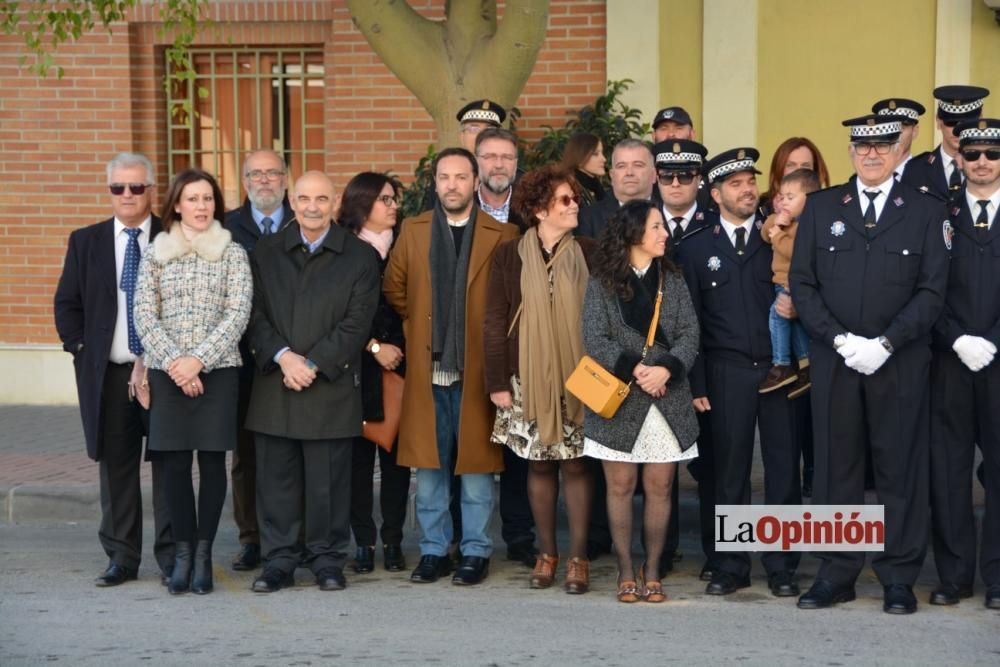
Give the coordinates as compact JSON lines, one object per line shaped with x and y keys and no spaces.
{"x":201,"y":582}
{"x":180,"y":578}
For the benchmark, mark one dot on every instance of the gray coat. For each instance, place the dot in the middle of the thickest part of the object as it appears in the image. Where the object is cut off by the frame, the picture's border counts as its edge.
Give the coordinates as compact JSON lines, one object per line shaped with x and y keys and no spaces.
{"x":614,"y":332}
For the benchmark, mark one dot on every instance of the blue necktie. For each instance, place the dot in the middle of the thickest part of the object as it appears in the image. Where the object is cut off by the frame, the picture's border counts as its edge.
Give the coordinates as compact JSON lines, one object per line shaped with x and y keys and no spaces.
{"x":130,"y":272}
{"x":268,"y":225}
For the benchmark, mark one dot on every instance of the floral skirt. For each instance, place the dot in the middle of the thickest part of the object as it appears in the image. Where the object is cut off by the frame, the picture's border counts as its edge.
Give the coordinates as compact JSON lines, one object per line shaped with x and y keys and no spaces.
{"x":521,"y":436}
{"x":656,"y":443}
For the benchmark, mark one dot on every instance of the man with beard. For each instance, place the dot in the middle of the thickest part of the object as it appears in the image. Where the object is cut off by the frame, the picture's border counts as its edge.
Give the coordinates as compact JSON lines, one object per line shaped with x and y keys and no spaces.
{"x":728,"y":272}
{"x":868,"y":278}
{"x":265,"y":211}
{"x":909,"y":113}
{"x":965,"y":377}
{"x":672,"y":123}
{"x":437,"y":279}
{"x":496,"y":153}
{"x":632,"y":177}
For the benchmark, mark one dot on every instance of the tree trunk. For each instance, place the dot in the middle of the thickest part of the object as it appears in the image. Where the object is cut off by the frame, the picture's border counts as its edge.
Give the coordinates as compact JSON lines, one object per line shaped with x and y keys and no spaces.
{"x":468,"y":56}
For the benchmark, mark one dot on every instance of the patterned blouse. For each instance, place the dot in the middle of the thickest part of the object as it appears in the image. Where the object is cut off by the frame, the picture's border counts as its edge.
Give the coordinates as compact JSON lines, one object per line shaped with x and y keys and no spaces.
{"x":193,"y":298}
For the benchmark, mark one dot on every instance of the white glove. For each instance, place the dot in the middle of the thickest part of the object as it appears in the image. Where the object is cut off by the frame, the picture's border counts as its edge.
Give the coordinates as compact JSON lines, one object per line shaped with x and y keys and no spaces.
{"x":975,"y":352}
{"x":850,"y":346}
{"x":866,"y":354}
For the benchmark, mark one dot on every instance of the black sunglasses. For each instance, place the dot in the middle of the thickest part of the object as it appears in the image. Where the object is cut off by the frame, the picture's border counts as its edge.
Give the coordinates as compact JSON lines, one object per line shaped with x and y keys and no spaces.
{"x":134,"y":188}
{"x":566,"y":199}
{"x":683,"y":177}
{"x":972,"y":155}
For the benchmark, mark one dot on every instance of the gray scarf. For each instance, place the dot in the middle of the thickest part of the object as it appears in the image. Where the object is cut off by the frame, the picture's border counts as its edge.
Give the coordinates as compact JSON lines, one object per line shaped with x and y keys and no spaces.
{"x":448,"y":283}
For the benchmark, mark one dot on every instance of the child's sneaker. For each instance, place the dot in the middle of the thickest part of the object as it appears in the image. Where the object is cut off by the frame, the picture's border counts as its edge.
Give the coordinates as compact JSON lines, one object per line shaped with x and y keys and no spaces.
{"x":802,"y":384}
{"x":777,"y":377}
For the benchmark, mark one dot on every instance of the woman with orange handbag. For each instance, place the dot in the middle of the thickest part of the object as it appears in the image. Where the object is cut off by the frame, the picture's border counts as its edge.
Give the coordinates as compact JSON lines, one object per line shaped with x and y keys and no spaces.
{"x":635,"y":289}
{"x":369,"y":209}
{"x":532,"y":343}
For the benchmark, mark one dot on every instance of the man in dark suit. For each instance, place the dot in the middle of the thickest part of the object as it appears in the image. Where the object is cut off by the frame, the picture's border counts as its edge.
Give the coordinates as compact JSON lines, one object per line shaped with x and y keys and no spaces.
{"x":93,"y":313}
{"x":965,"y":377}
{"x":316,"y":290}
{"x":632,"y":177}
{"x":868,"y":278}
{"x":938,"y":172}
{"x":265,"y":212}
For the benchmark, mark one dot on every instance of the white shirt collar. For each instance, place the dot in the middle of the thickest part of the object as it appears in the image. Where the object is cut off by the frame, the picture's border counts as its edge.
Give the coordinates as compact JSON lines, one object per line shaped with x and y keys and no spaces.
{"x":902,"y":165}
{"x":146,"y":226}
{"x":730,"y":228}
{"x":946,"y":160}
{"x":688,"y":216}
{"x":991,"y":209}
{"x":884,"y":188}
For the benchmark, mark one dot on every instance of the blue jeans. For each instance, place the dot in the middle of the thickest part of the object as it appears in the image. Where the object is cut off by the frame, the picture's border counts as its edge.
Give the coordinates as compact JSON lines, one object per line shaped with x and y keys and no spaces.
{"x":787,"y":336}
{"x":434,"y":488}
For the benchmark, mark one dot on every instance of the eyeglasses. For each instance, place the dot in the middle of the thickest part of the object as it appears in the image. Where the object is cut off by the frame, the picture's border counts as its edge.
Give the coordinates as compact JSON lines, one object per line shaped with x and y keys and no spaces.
{"x":388,"y":200}
{"x":973,"y":155}
{"x":260,"y":175}
{"x":566,"y":200}
{"x":866,"y":148}
{"x":682,"y":177}
{"x":134,"y":188}
{"x":493,"y":157}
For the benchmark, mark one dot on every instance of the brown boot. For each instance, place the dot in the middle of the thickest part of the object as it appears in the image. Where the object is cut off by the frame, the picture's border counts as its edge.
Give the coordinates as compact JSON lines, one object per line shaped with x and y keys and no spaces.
{"x":545,"y":571}
{"x":777,"y":377}
{"x":577,"y":576}
{"x":803,"y":383}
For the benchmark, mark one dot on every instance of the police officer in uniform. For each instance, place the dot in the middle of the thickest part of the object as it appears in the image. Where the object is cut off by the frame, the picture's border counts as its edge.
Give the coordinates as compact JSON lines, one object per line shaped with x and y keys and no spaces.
{"x":679,"y":168}
{"x":728,"y":271}
{"x":936,"y":172}
{"x":965,"y":378}
{"x":868,"y":278}
{"x":909,"y":112}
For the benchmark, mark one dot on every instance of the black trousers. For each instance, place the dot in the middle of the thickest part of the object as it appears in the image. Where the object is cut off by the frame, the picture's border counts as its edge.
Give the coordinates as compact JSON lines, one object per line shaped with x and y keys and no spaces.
{"x":703,"y":470}
{"x":517,"y":523}
{"x":394,"y":493}
{"x":736,"y":408}
{"x":244,"y":471}
{"x":304,"y":486}
{"x":124,"y":423}
{"x":964,"y":411}
{"x":889,"y":410}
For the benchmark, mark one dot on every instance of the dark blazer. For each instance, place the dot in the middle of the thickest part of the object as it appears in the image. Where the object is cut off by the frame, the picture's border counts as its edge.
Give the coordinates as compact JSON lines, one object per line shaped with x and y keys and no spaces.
{"x":594,"y":218}
{"x":321,"y":306}
{"x":504,"y":298}
{"x":925,"y":172}
{"x":86,"y":308}
{"x":387,"y":327}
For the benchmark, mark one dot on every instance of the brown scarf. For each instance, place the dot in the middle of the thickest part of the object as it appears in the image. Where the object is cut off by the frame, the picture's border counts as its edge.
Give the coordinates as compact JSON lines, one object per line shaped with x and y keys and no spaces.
{"x":551,"y":343}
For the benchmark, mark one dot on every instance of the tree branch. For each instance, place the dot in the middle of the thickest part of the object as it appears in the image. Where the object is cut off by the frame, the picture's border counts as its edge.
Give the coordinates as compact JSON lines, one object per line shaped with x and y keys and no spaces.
{"x":516,"y":44}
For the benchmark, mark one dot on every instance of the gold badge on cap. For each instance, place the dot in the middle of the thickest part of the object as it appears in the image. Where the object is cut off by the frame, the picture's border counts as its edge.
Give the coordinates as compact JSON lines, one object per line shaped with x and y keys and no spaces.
{"x":677,"y":148}
{"x":871,"y":121}
{"x":486,"y":104}
{"x":892,"y":104}
{"x":741,"y":154}
{"x":957,"y":102}
{"x":982,"y":125}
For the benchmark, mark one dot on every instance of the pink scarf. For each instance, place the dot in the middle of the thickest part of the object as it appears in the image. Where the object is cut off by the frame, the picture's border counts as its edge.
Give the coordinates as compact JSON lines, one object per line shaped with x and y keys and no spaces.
{"x":381,"y":241}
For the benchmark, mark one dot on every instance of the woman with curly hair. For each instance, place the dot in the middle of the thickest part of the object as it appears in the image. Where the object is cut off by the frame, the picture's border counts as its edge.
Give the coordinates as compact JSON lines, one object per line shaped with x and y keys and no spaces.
{"x":532,"y":344}
{"x":655,"y":425}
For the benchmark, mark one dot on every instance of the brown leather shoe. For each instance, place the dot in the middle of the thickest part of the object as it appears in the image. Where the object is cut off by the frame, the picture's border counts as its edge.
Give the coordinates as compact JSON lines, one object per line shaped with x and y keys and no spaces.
{"x":777,"y":377}
{"x":577,"y":576}
{"x":545,"y":571}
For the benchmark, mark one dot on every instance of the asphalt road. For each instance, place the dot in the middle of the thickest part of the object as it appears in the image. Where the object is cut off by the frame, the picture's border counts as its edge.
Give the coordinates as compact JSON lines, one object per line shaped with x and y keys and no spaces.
{"x":50,"y":613}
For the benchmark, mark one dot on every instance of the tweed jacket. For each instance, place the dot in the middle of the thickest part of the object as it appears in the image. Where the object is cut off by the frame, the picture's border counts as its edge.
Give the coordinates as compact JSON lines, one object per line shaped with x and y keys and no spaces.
{"x":614,"y":332}
{"x":193,"y":298}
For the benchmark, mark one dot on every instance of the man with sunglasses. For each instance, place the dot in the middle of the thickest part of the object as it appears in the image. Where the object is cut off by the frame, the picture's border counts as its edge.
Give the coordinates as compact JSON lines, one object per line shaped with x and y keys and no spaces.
{"x":938,"y":172}
{"x":93,"y":314}
{"x":265,"y":211}
{"x":966,"y":377}
{"x":868,"y":279}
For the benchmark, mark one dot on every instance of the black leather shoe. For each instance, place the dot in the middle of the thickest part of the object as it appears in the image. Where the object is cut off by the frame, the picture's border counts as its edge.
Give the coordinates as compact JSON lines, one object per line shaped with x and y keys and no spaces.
{"x":271,"y":580}
{"x":180,"y":578}
{"x":115,"y":575}
{"x":201,"y":577}
{"x":471,"y":571}
{"x":331,"y":579}
{"x":707,"y":572}
{"x":992,"y":597}
{"x":524,"y":553}
{"x":165,"y":574}
{"x":823,"y":594}
{"x":950,"y":594}
{"x":364,"y":560}
{"x":724,"y":583}
{"x":596,"y":549}
{"x":392,"y":558}
{"x":782,"y":585}
{"x":248,"y":558}
{"x":899,"y":599}
{"x":430,"y":569}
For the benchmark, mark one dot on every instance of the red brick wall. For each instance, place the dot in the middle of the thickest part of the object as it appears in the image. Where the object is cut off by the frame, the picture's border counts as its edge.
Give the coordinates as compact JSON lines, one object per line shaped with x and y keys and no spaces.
{"x":56,"y":135}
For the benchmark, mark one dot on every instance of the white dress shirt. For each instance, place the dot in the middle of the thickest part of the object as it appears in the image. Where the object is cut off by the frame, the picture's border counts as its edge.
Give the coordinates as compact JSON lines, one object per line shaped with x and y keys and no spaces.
{"x":948,"y":162}
{"x":684,"y":223}
{"x":119,"y":342}
{"x":991,"y":209}
{"x":883,"y":188}
{"x":730,"y":229}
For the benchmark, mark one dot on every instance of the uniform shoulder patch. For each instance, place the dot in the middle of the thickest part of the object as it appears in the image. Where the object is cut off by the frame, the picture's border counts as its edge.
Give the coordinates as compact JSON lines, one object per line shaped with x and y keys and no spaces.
{"x":948,"y":232}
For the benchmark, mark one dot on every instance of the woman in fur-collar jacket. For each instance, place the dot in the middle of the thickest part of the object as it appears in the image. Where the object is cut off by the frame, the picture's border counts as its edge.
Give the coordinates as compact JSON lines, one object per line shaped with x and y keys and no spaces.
{"x":192,"y":303}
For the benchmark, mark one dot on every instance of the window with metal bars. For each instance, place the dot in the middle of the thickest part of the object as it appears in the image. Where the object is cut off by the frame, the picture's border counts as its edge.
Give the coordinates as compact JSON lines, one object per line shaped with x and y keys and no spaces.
{"x":243,"y":99}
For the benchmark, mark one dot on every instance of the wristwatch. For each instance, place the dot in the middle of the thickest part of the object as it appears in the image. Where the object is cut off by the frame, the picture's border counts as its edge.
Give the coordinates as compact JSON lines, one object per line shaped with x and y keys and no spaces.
{"x":886,"y":344}
{"x":374,"y":349}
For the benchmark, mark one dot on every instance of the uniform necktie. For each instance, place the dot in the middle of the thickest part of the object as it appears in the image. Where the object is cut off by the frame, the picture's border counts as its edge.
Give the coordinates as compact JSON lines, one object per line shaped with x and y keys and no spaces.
{"x":268,"y":225}
{"x":870,"y":213}
{"x":955,"y":180}
{"x":741,"y":241}
{"x":676,"y":230}
{"x":983,"y":221}
{"x":130,"y":272}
